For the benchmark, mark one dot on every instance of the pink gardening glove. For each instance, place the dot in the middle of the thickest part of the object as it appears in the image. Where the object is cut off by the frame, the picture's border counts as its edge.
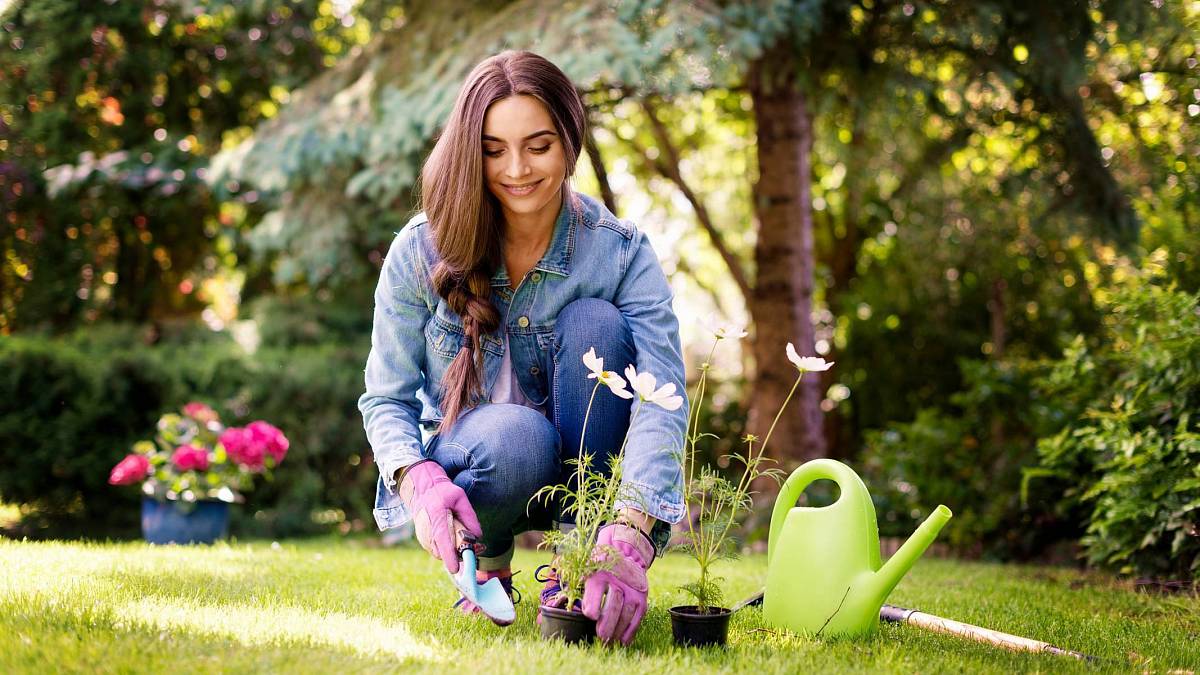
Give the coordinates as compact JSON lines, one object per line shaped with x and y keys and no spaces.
{"x":436,"y":503}
{"x":616,"y":599}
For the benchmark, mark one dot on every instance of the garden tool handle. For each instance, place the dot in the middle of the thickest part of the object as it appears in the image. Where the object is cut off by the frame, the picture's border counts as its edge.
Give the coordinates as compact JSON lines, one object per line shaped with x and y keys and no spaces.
{"x":463,"y":539}
{"x":847,"y":481}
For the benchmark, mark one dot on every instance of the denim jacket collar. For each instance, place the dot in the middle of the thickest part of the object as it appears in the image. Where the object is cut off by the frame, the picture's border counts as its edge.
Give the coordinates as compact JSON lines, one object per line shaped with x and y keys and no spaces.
{"x":557,"y":259}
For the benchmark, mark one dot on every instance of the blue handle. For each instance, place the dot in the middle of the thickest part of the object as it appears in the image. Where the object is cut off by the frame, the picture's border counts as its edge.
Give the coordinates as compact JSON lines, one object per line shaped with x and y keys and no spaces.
{"x":469,"y":564}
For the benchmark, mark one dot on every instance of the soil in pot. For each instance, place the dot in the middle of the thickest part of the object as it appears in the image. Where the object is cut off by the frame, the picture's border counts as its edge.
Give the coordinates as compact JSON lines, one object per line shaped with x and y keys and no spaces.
{"x":567,"y":625}
{"x":690,"y":627}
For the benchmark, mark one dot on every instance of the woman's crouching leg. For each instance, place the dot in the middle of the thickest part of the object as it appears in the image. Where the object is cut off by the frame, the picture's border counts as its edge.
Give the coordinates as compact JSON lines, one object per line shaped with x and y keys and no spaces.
{"x":501,"y":454}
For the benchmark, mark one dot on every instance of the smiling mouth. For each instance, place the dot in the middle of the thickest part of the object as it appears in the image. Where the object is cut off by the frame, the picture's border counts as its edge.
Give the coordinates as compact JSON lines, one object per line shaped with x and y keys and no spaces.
{"x":521,"y":189}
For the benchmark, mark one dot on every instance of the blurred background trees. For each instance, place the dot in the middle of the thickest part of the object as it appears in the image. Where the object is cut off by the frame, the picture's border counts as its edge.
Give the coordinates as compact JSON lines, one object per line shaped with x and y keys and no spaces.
{"x":957,"y":202}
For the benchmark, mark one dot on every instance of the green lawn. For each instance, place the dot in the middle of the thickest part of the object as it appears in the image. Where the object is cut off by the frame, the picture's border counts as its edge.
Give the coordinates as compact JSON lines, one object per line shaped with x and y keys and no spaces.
{"x":345,"y":606}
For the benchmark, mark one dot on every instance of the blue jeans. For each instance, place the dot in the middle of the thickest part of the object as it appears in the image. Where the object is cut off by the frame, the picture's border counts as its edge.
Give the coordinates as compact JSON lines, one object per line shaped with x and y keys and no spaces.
{"x":500,"y":454}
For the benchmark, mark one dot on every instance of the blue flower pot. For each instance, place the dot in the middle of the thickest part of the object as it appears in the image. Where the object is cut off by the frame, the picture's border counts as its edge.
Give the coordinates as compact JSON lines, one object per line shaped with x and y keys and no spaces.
{"x":172,"y":522}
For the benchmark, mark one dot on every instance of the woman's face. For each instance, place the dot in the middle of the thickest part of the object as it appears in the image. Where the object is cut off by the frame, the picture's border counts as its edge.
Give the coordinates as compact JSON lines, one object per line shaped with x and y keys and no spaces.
{"x":523,"y":160}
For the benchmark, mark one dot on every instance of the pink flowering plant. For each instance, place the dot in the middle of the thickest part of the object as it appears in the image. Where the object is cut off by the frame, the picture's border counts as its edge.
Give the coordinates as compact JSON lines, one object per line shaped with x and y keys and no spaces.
{"x":194,"y":457}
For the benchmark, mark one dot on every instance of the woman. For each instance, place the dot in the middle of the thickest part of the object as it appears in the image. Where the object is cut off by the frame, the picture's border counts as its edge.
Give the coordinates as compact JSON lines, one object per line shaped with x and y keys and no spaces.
{"x":487,"y":300}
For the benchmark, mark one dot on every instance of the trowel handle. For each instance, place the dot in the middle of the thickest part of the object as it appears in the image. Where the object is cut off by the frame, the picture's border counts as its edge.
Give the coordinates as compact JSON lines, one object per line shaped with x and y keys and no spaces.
{"x":464,"y":540}
{"x":849,"y":484}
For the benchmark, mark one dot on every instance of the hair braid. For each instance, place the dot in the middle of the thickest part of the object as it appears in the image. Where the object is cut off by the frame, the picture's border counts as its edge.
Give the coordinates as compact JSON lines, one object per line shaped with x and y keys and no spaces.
{"x":469,"y":296}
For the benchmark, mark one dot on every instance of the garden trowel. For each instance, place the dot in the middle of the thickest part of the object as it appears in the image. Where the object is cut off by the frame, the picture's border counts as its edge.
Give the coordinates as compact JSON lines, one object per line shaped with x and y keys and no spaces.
{"x":489,"y":596}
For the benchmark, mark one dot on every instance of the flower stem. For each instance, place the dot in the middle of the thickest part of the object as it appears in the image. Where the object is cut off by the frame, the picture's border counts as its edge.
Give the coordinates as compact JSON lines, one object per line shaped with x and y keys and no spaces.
{"x":582,"y":435}
{"x":751,"y":460}
{"x":689,"y":459}
{"x":779,"y":414}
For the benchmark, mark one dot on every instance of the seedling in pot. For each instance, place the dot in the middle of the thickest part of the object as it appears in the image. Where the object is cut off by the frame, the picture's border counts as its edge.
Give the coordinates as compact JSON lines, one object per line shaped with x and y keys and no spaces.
{"x":715,"y":504}
{"x":594,"y":498}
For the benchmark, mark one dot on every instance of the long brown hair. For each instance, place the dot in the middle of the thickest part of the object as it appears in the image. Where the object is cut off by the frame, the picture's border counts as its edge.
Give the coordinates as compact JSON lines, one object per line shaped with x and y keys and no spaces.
{"x":466,"y":218}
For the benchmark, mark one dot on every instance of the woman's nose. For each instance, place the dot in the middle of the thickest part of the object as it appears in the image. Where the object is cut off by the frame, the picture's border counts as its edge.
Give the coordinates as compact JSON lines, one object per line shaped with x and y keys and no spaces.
{"x":517,"y":166}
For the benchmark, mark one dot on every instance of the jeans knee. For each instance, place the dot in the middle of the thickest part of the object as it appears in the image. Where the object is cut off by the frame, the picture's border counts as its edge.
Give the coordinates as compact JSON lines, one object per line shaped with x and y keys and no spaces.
{"x":541,"y":448}
{"x":589,"y":322}
{"x":516,"y":450}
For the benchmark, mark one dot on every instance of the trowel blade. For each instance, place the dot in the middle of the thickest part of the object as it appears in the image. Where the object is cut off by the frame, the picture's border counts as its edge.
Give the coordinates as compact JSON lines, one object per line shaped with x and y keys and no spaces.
{"x":489,"y":597}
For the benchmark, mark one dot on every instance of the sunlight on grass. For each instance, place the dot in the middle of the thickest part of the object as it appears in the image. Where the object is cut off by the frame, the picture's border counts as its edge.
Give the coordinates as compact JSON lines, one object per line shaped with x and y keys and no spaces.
{"x":339,"y":606}
{"x":257,"y":626}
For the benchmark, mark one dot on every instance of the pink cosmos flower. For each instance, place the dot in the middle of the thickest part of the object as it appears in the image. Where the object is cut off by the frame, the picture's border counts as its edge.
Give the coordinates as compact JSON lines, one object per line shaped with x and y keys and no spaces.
{"x":200,"y":412}
{"x":272,"y":439}
{"x":190,"y":458}
{"x":129,"y":470}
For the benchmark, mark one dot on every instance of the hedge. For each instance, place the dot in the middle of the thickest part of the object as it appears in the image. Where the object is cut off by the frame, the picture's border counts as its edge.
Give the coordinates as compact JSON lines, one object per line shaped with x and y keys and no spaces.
{"x":70,"y":408}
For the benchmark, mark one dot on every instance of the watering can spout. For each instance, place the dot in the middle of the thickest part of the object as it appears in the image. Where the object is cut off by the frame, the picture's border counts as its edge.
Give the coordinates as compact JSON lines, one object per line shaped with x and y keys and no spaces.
{"x":899,"y":564}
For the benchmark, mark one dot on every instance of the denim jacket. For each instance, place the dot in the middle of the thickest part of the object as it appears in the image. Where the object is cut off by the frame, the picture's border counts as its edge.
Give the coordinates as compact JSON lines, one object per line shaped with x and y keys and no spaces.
{"x":416,"y":335}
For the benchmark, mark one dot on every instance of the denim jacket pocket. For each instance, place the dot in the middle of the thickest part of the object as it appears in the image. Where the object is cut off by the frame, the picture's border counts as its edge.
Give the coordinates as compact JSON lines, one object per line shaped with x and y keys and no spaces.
{"x":446,"y":337}
{"x":443,"y":337}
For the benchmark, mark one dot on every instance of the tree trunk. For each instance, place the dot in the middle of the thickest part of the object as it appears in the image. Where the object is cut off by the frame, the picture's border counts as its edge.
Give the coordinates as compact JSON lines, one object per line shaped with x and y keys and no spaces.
{"x":781,"y":305}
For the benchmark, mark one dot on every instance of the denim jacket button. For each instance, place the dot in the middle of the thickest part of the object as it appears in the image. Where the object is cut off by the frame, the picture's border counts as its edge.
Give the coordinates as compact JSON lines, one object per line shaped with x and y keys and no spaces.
{"x":523,"y":322}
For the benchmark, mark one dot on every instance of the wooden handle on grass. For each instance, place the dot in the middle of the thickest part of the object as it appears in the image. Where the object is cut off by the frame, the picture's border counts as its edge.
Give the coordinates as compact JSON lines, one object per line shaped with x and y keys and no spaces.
{"x":996,"y":638}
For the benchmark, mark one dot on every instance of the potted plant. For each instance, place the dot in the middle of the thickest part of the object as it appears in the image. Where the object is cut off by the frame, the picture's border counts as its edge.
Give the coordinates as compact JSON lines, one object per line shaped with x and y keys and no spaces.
{"x":594,"y":498}
{"x":193,"y":469}
{"x":715,"y":504}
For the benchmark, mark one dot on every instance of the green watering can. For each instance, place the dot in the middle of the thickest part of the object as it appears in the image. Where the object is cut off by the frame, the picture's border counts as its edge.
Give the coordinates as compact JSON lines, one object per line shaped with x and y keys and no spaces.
{"x":824,"y":574}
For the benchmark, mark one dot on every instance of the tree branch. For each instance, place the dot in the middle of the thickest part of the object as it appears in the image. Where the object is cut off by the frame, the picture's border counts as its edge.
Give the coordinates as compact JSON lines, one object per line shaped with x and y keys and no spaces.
{"x":683,"y":266}
{"x":593,"y":153}
{"x":667,"y":165}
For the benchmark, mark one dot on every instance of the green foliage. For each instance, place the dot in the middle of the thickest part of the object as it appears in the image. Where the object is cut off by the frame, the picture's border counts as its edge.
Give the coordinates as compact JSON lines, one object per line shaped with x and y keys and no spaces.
{"x":65,"y":420}
{"x":1129,"y":452}
{"x":322,"y":317}
{"x":123,"y":105}
{"x":68,"y":413}
{"x":969,"y":456}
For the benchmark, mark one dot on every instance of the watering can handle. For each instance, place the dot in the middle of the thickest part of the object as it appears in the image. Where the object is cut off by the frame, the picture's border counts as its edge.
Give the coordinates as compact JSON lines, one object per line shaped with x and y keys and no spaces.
{"x":801,"y":478}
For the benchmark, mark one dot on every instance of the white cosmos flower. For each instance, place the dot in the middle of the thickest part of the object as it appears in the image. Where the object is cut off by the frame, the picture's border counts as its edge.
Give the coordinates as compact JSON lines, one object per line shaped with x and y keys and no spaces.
{"x":807,"y":364}
{"x":607,"y":377}
{"x":643,"y":385}
{"x":724,"y":329}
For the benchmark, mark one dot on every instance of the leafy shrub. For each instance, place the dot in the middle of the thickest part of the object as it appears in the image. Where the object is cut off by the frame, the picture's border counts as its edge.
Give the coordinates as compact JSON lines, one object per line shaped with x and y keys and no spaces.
{"x":1129,"y":454}
{"x":50,"y":404}
{"x":69,"y":410}
{"x":969,"y":458}
{"x":323,"y":318}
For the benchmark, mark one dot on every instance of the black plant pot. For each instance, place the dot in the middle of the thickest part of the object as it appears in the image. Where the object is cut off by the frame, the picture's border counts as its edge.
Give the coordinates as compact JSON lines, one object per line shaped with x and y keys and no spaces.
{"x":567,"y":625}
{"x":690,"y":627}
